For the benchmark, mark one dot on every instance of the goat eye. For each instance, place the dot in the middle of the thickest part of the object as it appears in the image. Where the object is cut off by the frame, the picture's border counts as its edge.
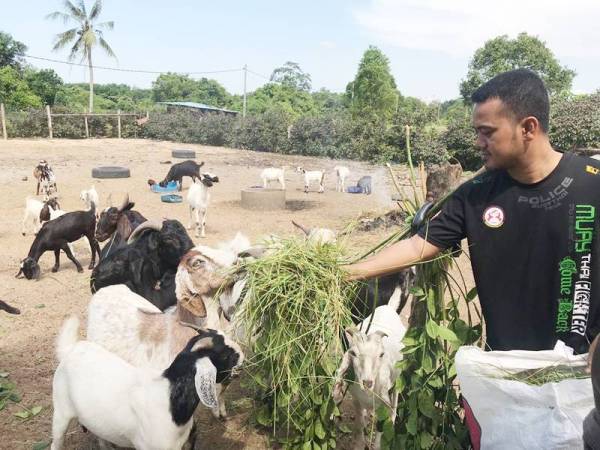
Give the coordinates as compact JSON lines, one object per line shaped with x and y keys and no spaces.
{"x":197,"y":263}
{"x":352,"y":353}
{"x":381,"y":356}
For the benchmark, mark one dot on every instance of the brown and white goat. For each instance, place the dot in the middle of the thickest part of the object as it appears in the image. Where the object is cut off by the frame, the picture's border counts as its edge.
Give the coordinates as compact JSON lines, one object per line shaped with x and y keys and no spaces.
{"x":121,"y":220}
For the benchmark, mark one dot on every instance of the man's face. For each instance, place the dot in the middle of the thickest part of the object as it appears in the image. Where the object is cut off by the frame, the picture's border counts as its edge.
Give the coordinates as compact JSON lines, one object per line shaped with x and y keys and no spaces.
{"x":498,"y":135}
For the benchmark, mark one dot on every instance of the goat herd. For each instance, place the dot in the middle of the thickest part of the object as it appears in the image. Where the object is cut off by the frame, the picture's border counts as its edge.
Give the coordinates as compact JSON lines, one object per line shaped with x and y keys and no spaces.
{"x":161,"y":333}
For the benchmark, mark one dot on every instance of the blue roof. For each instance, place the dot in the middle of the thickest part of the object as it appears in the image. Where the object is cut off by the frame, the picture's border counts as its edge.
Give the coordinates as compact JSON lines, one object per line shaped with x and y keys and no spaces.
{"x":197,"y":106}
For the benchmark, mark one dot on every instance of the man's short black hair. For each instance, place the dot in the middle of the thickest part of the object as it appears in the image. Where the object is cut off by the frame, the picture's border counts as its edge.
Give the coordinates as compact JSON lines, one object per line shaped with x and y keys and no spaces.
{"x":522,"y":91}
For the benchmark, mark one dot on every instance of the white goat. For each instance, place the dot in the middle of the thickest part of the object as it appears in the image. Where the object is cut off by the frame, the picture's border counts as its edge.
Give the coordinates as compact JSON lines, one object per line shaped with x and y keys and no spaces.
{"x":373,"y":355}
{"x":37,"y":212}
{"x":342,"y":172}
{"x":273,"y":174}
{"x":131,"y":327}
{"x":198,"y":198}
{"x":90,"y":196}
{"x":311,"y":176}
{"x":129,"y":406}
{"x":317,"y":235}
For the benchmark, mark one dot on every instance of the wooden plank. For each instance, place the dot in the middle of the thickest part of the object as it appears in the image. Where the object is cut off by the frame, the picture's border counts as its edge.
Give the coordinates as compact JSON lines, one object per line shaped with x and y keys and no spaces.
{"x":49,"y":121}
{"x":3,"y":120}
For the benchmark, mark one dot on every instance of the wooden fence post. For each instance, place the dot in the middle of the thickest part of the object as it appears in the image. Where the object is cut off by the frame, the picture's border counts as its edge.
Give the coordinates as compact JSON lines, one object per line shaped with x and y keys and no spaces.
{"x":119,"y":123}
{"x":87,"y":129}
{"x":3,"y":120}
{"x":49,"y":121}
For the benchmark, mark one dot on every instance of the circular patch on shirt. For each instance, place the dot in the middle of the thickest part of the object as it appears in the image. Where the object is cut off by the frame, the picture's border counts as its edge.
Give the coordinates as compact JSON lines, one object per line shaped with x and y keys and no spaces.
{"x":493,"y":216}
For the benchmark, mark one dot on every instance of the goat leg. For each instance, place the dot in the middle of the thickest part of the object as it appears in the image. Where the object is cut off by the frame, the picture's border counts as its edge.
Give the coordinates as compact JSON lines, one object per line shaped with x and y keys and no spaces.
{"x":56,"y":261}
{"x":67,"y":250}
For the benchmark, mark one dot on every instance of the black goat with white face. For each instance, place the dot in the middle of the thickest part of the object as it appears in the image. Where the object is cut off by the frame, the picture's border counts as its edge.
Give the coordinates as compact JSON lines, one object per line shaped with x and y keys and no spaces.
{"x":177,"y":171}
{"x":148,"y":263}
{"x":56,"y":235}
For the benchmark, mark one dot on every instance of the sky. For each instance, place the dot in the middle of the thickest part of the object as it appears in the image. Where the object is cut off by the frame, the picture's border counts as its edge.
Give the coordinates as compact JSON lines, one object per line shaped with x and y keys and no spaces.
{"x":429,"y":42}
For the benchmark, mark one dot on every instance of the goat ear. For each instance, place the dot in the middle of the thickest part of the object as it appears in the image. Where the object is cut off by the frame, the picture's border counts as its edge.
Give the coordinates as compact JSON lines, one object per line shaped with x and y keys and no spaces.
{"x":205,"y":381}
{"x":379,"y":334}
{"x":203,"y":344}
{"x":350,"y":332}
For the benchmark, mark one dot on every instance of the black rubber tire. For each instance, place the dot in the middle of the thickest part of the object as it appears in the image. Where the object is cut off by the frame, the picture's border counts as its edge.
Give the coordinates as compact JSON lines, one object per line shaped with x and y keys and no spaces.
{"x":183,"y":154}
{"x":110,"y":172}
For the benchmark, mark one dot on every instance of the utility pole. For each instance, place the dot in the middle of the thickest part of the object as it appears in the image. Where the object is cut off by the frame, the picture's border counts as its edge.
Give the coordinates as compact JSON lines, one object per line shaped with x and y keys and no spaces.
{"x":245,"y":69}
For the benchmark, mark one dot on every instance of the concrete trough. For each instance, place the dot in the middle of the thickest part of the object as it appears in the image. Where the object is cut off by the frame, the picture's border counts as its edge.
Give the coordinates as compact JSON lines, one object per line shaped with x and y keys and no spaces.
{"x":260,"y":199}
{"x":184,"y":154}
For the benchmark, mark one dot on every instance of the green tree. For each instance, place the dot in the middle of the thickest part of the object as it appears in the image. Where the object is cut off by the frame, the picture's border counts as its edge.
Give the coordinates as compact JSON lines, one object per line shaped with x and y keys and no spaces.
{"x":327,"y":101}
{"x":11,"y":52}
{"x":502,"y":54}
{"x":373,"y":91}
{"x":177,"y":87}
{"x":44,"y":83}
{"x":15,"y":93}
{"x":282,"y":98}
{"x":75,"y":97}
{"x":84,"y":37}
{"x":291,"y":75}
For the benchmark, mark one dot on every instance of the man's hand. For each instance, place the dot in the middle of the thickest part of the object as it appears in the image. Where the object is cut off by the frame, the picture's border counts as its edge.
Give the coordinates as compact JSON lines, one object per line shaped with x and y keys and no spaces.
{"x":394,"y":258}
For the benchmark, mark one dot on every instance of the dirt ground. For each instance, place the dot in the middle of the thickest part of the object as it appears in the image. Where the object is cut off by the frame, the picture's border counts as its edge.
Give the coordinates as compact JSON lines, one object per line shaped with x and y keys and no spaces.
{"x":27,"y":340}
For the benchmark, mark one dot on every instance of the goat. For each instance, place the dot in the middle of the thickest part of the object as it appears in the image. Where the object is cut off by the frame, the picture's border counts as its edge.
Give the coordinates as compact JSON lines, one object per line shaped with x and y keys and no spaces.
{"x":135,"y":407}
{"x":273,"y":174}
{"x":55,"y":235}
{"x":375,"y":348}
{"x":9,"y":309}
{"x":177,"y":171}
{"x":317,"y":235}
{"x":44,"y":175}
{"x":198,"y":198}
{"x":89,"y":196}
{"x":376,"y":291}
{"x":365,"y":184}
{"x":342,"y":173}
{"x":122,"y":220}
{"x":147,"y":263}
{"x":55,"y":213}
{"x":312,"y":176}
{"x":37,"y":212}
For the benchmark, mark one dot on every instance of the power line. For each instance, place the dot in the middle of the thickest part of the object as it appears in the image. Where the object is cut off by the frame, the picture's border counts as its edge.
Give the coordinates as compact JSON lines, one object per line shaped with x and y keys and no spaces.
{"x":117,"y":69}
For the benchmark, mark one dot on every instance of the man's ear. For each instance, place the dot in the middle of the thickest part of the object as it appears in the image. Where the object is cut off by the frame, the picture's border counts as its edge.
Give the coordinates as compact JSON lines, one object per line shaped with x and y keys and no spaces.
{"x":531,"y":127}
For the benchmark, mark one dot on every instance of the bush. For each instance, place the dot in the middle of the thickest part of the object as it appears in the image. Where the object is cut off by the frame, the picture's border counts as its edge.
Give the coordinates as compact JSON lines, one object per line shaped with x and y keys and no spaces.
{"x":267,"y":132}
{"x":575,"y":122}
{"x":459,"y":139}
{"x":428,"y":146}
{"x":319,"y":136}
{"x":26,"y":124}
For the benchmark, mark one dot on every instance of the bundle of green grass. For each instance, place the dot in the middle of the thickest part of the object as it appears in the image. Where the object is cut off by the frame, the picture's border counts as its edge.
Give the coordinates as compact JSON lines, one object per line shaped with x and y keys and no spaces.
{"x":296,"y":308}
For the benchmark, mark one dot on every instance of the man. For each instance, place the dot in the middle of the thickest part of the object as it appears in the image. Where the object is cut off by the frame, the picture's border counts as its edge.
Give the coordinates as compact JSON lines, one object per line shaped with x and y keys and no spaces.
{"x":591,"y":424}
{"x":531,"y":222}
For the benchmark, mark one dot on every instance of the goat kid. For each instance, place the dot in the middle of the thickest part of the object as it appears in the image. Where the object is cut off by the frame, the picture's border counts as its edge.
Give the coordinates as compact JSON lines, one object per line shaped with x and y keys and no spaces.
{"x":273,"y":174}
{"x":122,"y":220}
{"x":374,"y":349}
{"x":133,"y":407}
{"x":37,"y":212}
{"x":89,"y":196}
{"x":56,"y":235}
{"x":341,"y":172}
{"x":198,"y":199}
{"x":312,"y":176}
{"x":45,"y":177}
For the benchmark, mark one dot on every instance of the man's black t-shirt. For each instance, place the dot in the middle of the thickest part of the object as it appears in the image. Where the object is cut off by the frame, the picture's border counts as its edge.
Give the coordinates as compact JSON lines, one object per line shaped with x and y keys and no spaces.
{"x":533,"y":252}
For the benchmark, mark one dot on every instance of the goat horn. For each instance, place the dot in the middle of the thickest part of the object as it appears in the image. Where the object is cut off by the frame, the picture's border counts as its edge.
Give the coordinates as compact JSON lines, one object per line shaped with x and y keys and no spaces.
{"x":125,"y":203}
{"x":147,"y":225}
{"x":306,"y":230}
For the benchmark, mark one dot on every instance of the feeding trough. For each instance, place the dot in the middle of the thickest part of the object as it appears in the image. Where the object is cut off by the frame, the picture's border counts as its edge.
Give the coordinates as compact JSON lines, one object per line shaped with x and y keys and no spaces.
{"x":171,"y":198}
{"x":183,"y":154}
{"x":171,"y":186}
{"x":110,"y":172}
{"x":258,"y":198}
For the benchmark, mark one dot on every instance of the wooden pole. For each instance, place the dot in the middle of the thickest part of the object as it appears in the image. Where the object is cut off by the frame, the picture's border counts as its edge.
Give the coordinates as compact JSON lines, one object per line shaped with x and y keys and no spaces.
{"x":3,"y":120}
{"x":87,"y":128}
{"x":119,"y":123}
{"x":49,"y":121}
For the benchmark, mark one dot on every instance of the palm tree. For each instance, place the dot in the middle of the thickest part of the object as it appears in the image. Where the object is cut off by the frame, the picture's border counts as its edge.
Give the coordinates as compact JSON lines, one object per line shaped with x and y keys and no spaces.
{"x":85,"y":36}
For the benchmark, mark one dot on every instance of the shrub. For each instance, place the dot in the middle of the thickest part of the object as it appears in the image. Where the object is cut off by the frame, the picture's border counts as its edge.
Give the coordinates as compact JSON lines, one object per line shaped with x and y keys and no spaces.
{"x":575,"y":122}
{"x":459,"y":139}
{"x":428,"y":146}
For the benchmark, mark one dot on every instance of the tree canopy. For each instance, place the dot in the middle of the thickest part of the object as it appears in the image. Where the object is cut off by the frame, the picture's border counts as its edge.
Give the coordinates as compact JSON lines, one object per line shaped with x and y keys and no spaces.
{"x":502,"y":54}
{"x":291,"y":75}
{"x":11,"y":52}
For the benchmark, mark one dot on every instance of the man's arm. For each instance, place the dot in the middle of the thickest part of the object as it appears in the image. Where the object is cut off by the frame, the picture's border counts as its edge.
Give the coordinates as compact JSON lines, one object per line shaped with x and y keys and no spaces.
{"x":394,"y":258}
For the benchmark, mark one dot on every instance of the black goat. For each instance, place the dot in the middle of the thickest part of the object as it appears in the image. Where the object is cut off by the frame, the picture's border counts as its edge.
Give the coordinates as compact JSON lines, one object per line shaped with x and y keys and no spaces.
{"x":177,"y":171}
{"x":9,"y":309}
{"x":377,"y":291}
{"x":148,"y":263}
{"x":55,"y":235}
{"x":122,"y":220}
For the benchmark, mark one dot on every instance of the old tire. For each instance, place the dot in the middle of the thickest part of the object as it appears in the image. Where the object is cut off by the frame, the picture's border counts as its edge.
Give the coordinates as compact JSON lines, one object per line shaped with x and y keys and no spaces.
{"x":183,"y":154}
{"x":110,"y":172}
{"x":263,"y":199}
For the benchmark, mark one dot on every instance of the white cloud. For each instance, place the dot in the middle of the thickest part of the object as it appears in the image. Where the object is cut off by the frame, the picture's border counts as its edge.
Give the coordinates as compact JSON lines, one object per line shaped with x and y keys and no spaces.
{"x":458,"y":27}
{"x":329,"y":45}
